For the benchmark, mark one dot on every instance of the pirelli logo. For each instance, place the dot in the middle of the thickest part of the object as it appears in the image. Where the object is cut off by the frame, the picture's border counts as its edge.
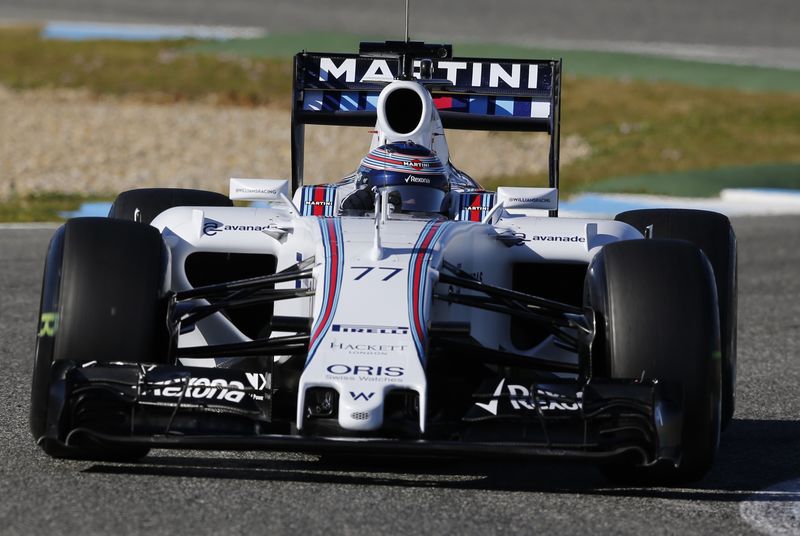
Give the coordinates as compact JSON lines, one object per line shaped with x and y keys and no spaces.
{"x":385,"y":330}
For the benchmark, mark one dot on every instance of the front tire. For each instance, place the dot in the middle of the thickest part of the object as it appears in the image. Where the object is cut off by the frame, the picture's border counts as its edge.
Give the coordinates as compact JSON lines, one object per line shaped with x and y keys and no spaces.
{"x":711,"y":232}
{"x":657,"y":310}
{"x":104,"y":298}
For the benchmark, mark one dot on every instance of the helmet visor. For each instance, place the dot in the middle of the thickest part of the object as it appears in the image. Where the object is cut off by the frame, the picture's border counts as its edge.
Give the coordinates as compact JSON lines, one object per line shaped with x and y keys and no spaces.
{"x":412,"y":198}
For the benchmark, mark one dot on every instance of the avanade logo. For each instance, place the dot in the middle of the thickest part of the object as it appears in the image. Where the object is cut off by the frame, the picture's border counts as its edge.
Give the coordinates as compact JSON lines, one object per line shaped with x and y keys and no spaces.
{"x":556,"y":238}
{"x":213,"y":228}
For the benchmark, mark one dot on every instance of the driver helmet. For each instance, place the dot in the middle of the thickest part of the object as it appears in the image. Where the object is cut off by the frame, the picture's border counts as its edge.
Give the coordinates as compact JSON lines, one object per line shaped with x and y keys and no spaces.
{"x":411,"y":175}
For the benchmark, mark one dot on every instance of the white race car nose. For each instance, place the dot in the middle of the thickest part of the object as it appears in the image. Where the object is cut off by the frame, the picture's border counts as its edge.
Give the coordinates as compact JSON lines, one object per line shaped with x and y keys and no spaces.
{"x":361,"y":409}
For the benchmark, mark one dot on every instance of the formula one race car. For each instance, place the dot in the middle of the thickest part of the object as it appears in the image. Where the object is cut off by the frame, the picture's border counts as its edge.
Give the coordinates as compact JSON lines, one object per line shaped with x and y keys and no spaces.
{"x":401,"y":310}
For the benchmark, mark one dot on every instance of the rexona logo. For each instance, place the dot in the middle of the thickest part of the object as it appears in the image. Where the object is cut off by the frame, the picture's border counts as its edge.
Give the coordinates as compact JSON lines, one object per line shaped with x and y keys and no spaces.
{"x":553,"y":238}
{"x":212,"y":228}
{"x":379,"y":330}
{"x":366,"y":371}
{"x":418,"y":180}
{"x":258,"y":380}
{"x":202,"y":389}
{"x":520,"y":400}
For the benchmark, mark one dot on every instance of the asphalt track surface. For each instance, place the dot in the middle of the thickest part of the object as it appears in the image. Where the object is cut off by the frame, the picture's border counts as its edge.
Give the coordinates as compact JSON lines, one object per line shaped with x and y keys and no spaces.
{"x":731,"y":23}
{"x":212,"y":492}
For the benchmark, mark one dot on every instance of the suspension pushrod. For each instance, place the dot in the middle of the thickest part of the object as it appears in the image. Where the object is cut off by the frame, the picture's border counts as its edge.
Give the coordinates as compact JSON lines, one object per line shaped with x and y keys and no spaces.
{"x":202,"y":311}
{"x":481,"y":303}
{"x":552,"y":324}
{"x":506,"y":293}
{"x":289,"y":345}
{"x":253,"y":282}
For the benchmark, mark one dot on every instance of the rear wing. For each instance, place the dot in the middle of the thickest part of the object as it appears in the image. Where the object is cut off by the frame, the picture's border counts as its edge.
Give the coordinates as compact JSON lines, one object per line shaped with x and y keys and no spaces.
{"x":469,"y":93}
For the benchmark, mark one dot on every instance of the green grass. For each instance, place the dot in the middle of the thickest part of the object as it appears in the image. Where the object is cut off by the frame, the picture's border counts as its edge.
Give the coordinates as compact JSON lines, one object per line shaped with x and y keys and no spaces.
{"x":622,"y":66}
{"x":160,"y":71}
{"x":257,"y":71}
{"x":704,"y":183}
{"x":643,"y":128}
{"x":582,"y":63}
{"x":651,"y":123}
{"x":44,"y":207}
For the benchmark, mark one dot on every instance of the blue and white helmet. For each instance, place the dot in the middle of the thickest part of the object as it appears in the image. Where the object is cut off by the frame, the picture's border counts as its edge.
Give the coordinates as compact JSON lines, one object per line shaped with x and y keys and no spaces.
{"x":412,"y":176}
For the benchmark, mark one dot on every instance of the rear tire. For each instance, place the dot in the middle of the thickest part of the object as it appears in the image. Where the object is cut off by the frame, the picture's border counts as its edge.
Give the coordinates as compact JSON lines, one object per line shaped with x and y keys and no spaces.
{"x":711,"y":232}
{"x":658,"y":319}
{"x":144,"y":204}
{"x":104,"y":298}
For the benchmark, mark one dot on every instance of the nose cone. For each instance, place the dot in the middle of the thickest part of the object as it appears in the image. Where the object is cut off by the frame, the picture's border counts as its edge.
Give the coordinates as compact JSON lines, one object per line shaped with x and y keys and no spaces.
{"x":361,"y":409}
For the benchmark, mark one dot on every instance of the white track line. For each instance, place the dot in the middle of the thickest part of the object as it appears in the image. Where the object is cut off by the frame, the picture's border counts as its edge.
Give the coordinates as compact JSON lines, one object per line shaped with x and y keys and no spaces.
{"x":762,"y":56}
{"x":103,"y":30}
{"x":775,"y":510}
{"x":731,"y":202}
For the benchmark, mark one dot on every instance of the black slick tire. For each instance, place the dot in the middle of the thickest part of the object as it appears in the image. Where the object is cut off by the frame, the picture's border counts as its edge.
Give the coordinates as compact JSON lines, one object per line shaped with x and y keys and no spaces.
{"x":657,"y":319}
{"x":104,"y":298}
{"x":144,"y":204}
{"x":711,"y":232}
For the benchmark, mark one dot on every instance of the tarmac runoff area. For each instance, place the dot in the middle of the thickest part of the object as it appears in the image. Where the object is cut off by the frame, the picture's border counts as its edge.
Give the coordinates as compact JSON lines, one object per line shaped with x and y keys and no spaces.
{"x":752,"y":489}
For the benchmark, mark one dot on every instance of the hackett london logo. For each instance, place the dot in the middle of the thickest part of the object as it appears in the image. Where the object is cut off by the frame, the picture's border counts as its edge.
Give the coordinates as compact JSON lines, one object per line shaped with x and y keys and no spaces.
{"x":373,"y":349}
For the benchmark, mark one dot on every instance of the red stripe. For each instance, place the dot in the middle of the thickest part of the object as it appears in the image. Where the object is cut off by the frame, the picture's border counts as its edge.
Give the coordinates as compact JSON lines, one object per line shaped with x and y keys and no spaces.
{"x":319,"y":196}
{"x":475,"y":215}
{"x":443,"y":102}
{"x":410,"y":158}
{"x":423,"y":249}
{"x":387,"y":159}
{"x":401,"y":157}
{"x":334,"y":276}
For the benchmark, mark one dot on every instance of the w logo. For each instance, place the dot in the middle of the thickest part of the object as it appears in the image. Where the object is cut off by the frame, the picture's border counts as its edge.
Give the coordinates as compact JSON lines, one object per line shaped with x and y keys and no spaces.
{"x":361,"y":396}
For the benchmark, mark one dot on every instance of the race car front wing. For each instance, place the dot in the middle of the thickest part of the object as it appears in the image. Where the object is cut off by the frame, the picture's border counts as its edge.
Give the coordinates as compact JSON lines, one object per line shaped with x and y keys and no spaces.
{"x":164,"y":406}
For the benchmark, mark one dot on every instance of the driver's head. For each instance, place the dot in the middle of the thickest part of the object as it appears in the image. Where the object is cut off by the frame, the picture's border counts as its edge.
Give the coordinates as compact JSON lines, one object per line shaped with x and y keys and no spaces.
{"x":412,"y":176}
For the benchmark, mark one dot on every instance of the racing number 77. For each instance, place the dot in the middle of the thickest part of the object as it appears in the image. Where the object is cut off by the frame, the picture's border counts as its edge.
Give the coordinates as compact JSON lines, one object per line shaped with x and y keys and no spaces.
{"x":367,"y":269}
